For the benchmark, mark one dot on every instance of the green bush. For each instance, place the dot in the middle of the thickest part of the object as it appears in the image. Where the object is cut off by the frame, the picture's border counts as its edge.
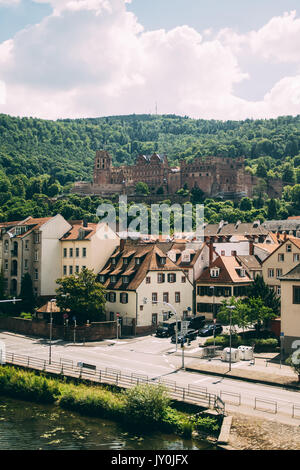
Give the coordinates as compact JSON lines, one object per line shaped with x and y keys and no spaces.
{"x":206,"y":425}
{"x":223,"y":341}
{"x":146,"y":403}
{"x":264,"y":345}
{"x":27,"y":385}
{"x":27,"y":316}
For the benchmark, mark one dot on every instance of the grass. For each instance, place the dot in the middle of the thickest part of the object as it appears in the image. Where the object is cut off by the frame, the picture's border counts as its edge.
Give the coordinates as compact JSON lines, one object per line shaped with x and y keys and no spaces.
{"x":145,"y":407}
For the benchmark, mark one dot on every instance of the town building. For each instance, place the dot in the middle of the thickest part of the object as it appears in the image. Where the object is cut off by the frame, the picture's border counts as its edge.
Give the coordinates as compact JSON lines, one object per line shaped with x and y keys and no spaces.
{"x":33,"y":246}
{"x":284,"y":258}
{"x":137,"y":271}
{"x":86,"y":245}
{"x":223,"y":278}
{"x":290,"y":309}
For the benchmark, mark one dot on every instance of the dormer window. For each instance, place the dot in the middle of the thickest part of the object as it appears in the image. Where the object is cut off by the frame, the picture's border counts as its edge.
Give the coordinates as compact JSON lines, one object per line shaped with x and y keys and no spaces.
{"x":113,"y":261}
{"x":241,"y":272}
{"x":137,"y":261}
{"x":113,"y":279}
{"x":102,"y":279}
{"x":215,"y":272}
{"x":125,"y":261}
{"x":125,"y":279}
{"x":163,"y":260}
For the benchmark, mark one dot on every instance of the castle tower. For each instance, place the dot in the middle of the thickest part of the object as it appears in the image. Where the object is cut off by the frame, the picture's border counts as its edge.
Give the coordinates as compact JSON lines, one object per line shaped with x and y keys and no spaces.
{"x":102,"y":167}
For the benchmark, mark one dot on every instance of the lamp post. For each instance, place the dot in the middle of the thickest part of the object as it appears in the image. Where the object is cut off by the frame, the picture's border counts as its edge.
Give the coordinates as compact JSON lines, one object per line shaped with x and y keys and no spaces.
{"x":214,"y":313}
{"x":145,"y":301}
{"x":51,"y":324}
{"x":230,"y":307}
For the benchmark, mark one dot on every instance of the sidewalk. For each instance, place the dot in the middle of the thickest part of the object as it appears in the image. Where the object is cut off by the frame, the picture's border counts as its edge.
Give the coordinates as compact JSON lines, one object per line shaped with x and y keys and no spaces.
{"x":262,"y":371}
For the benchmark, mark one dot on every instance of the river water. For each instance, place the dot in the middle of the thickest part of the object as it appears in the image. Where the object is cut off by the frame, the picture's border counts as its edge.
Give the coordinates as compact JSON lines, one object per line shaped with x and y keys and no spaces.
{"x":29,"y":426}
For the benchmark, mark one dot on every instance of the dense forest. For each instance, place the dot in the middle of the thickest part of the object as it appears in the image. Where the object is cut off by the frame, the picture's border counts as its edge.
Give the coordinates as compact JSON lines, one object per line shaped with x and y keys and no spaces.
{"x":40,"y":159}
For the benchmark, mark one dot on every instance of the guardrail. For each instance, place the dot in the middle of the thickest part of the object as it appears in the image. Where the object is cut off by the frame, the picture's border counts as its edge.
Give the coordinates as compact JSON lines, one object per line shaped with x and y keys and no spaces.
{"x":188,"y":394}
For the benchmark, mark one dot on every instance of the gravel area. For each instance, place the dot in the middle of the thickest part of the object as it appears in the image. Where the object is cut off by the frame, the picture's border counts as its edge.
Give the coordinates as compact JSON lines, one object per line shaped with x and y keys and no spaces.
{"x":251,"y":433}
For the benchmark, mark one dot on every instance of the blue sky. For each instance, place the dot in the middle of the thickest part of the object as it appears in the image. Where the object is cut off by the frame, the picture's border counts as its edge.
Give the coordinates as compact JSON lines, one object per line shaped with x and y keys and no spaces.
{"x":213,"y":59}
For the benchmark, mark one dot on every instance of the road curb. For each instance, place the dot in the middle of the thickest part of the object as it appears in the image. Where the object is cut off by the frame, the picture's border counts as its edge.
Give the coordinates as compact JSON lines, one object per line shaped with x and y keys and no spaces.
{"x":225,"y":431}
{"x":245,"y":379}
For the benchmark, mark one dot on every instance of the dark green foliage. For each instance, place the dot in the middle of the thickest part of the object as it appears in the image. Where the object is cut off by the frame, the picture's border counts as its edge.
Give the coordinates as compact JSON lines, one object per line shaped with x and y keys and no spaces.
{"x":28,"y":302}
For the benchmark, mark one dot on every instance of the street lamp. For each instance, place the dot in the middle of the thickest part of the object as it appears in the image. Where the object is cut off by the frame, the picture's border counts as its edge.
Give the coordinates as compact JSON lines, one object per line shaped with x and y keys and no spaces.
{"x":145,"y":301}
{"x":214,"y":313}
{"x":230,"y":307}
{"x":51,"y":322}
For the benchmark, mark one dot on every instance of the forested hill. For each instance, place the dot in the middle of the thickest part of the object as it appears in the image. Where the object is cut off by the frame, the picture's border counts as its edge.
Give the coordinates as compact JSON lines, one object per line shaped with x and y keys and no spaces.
{"x":41,"y":159}
{"x":65,"y":149}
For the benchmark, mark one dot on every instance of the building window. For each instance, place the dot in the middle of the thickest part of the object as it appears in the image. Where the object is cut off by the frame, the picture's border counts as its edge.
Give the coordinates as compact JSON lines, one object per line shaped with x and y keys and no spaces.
{"x":233,"y":253}
{"x":65,"y":252}
{"x":84,"y":252}
{"x":70,"y":270}
{"x":278,"y":272}
{"x":77,"y":269}
{"x":278,"y":290}
{"x":6,"y":265}
{"x":113,"y":261}
{"x":270,"y":272}
{"x":141,"y":308}
{"x":71,"y":252}
{"x":148,"y":280}
{"x":26,"y":245}
{"x":177,"y":297}
{"x":112,"y":297}
{"x":77,"y":252}
{"x":296,"y":257}
{"x":288,"y":248}
{"x":154,"y":318}
{"x":137,"y":261}
{"x":36,"y":274}
{"x":26,"y":264}
{"x":183,"y":279}
{"x":171,"y":277}
{"x":65,"y":270}
{"x":214,"y":272}
{"x":281,"y":257}
{"x":162,"y":260}
{"x":36,"y":256}
{"x":154,"y":297}
{"x":125,"y":279}
{"x":166,"y":297}
{"x":102,"y":278}
{"x":296,"y":294}
{"x":113,"y":279}
{"x":83,"y":267}
{"x":6,"y":246}
{"x":36,"y":238}
{"x":160,"y":278}
{"x":124,"y":298}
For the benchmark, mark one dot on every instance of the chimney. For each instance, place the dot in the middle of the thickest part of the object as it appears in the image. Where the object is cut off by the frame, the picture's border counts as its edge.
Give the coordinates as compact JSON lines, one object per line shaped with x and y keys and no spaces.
{"x":251,"y":246}
{"x":211,"y":251}
{"x":284,"y":236}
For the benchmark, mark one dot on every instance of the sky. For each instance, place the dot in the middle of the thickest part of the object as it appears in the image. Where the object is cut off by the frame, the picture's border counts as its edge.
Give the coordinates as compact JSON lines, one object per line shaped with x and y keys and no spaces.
{"x":222,"y":59}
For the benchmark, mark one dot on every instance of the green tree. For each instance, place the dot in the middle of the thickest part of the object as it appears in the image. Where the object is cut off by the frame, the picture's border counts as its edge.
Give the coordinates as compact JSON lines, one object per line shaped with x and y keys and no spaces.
{"x":142,"y":188}
{"x":82,"y":296}
{"x":260,"y":289}
{"x":28,"y":302}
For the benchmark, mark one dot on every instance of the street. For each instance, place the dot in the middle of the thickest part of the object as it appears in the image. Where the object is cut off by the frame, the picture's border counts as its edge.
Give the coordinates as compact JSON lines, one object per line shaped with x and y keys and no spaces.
{"x":154,"y":357}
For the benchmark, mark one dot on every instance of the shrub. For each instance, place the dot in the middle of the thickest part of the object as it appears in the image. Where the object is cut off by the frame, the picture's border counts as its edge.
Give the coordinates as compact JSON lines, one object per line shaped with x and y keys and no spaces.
{"x":205,"y":425}
{"x":264,"y":345}
{"x":27,"y":385}
{"x":223,"y":341}
{"x":146,"y":403}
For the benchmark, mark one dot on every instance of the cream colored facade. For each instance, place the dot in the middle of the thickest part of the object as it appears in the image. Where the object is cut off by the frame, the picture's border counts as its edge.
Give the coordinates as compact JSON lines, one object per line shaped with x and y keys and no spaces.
{"x":290,"y":310}
{"x":32,"y":246}
{"x":280,"y":262}
{"x":91,"y":253}
{"x":180,"y":296}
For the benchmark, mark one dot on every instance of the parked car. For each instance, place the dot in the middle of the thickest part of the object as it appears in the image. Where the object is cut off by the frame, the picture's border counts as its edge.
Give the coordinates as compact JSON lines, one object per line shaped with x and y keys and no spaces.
{"x":191,"y":335}
{"x":196,"y":322}
{"x":167,"y":328}
{"x":210,"y":329}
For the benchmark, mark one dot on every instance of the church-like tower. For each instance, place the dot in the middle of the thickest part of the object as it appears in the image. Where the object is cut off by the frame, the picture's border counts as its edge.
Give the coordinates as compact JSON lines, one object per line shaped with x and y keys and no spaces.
{"x":102,"y":167}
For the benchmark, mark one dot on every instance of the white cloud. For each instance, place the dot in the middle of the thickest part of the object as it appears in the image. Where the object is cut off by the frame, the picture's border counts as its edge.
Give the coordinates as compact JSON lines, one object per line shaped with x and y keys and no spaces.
{"x":92,"y":58}
{"x":2,"y":93}
{"x":9,"y":2}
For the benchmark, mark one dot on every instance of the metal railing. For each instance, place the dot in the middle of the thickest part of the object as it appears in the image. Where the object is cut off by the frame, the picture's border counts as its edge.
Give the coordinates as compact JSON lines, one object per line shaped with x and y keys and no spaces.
{"x":110,"y":376}
{"x":188,"y":393}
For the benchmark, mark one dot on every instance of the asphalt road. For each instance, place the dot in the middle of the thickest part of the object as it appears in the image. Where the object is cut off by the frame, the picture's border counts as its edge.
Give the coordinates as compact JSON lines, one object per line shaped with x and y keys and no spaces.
{"x":155,"y":357}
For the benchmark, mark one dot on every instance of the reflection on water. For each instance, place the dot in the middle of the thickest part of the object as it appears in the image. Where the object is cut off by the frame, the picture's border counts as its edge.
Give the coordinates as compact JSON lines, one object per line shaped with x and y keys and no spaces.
{"x":28,"y":426}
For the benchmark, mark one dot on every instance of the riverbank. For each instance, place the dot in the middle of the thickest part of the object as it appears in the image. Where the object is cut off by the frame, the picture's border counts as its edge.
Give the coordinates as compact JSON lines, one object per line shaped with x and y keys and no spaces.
{"x":142,"y":407}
